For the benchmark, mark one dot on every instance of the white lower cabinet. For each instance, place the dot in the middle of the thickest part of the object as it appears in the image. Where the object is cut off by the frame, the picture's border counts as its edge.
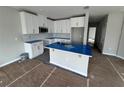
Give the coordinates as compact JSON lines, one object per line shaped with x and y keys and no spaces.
{"x":77,"y":63}
{"x":34,"y":49}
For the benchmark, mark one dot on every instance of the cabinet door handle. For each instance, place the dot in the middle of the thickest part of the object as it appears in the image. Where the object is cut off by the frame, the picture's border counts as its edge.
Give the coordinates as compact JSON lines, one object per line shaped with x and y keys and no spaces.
{"x":38,"y":47}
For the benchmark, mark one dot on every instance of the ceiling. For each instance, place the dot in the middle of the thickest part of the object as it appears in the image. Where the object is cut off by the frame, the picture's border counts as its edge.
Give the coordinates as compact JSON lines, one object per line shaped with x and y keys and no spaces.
{"x":56,"y":12}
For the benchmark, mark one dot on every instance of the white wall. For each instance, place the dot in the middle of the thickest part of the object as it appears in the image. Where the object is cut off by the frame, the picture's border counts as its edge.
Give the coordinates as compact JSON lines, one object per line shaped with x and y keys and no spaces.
{"x":11,"y":44}
{"x":113,"y":31}
{"x":120,"y":52}
{"x":100,"y":33}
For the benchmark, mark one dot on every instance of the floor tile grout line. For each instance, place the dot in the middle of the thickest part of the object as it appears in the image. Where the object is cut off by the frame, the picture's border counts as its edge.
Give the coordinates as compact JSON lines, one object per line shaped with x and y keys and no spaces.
{"x":115,"y":69}
{"x":122,"y":73}
{"x":23,"y":75}
{"x":48,"y":76}
{"x":88,"y":82}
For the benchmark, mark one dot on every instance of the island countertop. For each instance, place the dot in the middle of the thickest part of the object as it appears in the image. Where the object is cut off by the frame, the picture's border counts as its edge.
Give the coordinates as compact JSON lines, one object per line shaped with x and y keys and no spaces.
{"x":76,"y":48}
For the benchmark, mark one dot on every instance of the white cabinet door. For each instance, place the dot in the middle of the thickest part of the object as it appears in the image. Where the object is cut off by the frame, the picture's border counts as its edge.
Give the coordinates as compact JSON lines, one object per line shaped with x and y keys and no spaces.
{"x":29,"y":23}
{"x":35,"y":24}
{"x":34,"y":50}
{"x":56,"y":26}
{"x":45,"y":21}
{"x":62,"y":26}
{"x":59,"y":26}
{"x":40,"y":48}
{"x":42,"y":21}
{"x":26,"y":23}
{"x":68,"y":28}
{"x":77,"y":22}
{"x":50,"y":25}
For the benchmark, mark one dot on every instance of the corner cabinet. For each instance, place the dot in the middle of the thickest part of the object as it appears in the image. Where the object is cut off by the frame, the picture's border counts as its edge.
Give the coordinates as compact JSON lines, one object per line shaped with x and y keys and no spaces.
{"x":29,"y":23}
{"x":34,"y":49}
{"x":78,"y":22}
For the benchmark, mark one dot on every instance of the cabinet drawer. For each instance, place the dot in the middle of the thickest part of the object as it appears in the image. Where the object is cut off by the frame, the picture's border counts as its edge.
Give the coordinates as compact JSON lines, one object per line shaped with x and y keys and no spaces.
{"x":34,"y":50}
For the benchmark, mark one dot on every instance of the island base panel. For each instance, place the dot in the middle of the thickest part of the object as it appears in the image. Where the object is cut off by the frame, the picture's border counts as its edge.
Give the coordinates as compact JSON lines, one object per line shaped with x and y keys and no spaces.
{"x":77,"y":63}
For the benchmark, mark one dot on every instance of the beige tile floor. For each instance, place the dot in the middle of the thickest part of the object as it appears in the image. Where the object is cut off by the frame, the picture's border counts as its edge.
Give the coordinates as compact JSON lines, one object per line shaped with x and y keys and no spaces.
{"x":104,"y":71}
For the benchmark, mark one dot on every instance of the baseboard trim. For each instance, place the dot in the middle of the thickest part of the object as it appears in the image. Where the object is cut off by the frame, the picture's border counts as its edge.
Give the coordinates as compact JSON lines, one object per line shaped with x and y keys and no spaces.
{"x":120,"y":57}
{"x":108,"y":54}
{"x":10,"y":62}
{"x":113,"y":55}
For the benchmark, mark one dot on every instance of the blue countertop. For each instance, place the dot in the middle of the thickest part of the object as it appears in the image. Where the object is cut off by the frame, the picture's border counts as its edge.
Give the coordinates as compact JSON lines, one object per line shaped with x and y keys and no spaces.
{"x":76,"y":48}
{"x":34,"y":41}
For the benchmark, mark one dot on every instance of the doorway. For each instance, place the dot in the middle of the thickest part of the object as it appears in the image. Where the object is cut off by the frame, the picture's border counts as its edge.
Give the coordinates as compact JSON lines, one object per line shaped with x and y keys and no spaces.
{"x":91,"y":35}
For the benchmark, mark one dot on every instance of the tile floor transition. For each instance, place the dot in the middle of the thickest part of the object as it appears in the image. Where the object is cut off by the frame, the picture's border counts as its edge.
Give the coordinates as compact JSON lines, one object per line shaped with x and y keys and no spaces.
{"x":104,"y":71}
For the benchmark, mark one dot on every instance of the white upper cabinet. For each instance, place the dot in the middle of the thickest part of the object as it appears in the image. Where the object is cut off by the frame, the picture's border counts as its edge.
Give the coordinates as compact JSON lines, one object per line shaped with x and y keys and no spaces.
{"x":35,"y":24}
{"x":57,"y":27}
{"x":62,"y":26}
{"x":29,"y":23}
{"x":67,"y":26}
{"x":42,"y":20}
{"x":77,"y":22}
{"x":50,"y":25}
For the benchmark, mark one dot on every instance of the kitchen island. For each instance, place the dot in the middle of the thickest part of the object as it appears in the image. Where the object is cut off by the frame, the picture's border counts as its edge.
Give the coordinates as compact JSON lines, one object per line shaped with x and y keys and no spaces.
{"x":73,"y":57}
